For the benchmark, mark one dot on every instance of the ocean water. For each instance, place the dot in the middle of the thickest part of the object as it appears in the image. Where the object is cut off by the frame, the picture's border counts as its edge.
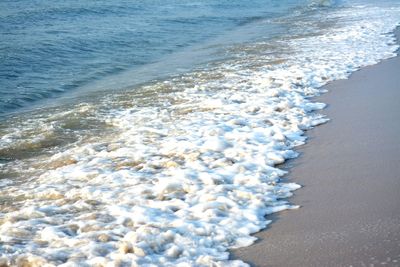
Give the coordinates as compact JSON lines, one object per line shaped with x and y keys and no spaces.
{"x":48,"y":47}
{"x":150,"y":133}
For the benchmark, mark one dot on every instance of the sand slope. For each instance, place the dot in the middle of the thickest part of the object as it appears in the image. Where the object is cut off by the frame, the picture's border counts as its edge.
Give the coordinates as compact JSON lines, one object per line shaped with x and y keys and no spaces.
{"x":350,"y":170}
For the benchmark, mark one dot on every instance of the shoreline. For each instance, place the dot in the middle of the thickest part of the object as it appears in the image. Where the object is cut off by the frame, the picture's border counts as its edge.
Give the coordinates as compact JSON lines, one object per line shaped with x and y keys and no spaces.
{"x":350,"y":173}
{"x":179,"y":169}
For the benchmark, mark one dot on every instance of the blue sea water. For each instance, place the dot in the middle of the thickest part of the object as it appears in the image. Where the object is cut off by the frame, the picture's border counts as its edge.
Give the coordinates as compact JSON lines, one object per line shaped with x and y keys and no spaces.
{"x":52,"y":47}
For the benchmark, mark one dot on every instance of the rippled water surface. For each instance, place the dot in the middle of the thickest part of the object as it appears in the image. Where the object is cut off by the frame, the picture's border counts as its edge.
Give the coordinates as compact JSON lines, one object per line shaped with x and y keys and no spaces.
{"x":48,"y":47}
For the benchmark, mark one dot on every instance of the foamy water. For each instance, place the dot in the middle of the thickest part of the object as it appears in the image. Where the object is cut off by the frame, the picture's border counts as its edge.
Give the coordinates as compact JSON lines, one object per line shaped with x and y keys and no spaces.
{"x":178,"y":171}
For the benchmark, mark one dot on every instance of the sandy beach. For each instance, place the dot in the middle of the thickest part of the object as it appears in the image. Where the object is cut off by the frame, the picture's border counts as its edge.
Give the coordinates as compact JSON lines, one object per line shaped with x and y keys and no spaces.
{"x":350,"y":170}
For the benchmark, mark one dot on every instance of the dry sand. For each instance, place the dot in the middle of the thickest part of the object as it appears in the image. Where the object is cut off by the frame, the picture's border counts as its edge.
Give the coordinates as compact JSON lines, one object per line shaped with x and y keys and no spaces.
{"x":350,"y":170}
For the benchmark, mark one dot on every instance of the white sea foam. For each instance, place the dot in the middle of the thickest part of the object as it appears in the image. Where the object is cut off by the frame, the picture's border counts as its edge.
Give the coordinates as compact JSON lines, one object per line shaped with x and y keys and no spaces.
{"x":180,"y":184}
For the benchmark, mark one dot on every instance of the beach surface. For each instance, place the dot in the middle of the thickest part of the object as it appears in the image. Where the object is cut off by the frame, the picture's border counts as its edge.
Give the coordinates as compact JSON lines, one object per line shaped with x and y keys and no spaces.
{"x":350,"y":170}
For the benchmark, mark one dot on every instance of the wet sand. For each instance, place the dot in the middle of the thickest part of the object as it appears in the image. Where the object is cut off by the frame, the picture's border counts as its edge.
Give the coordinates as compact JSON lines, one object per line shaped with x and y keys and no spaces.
{"x":350,"y":170}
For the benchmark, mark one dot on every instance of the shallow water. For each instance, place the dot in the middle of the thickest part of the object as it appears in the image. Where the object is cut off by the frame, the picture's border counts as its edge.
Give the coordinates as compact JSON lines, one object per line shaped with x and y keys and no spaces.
{"x":48,"y":48}
{"x":170,"y":160}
